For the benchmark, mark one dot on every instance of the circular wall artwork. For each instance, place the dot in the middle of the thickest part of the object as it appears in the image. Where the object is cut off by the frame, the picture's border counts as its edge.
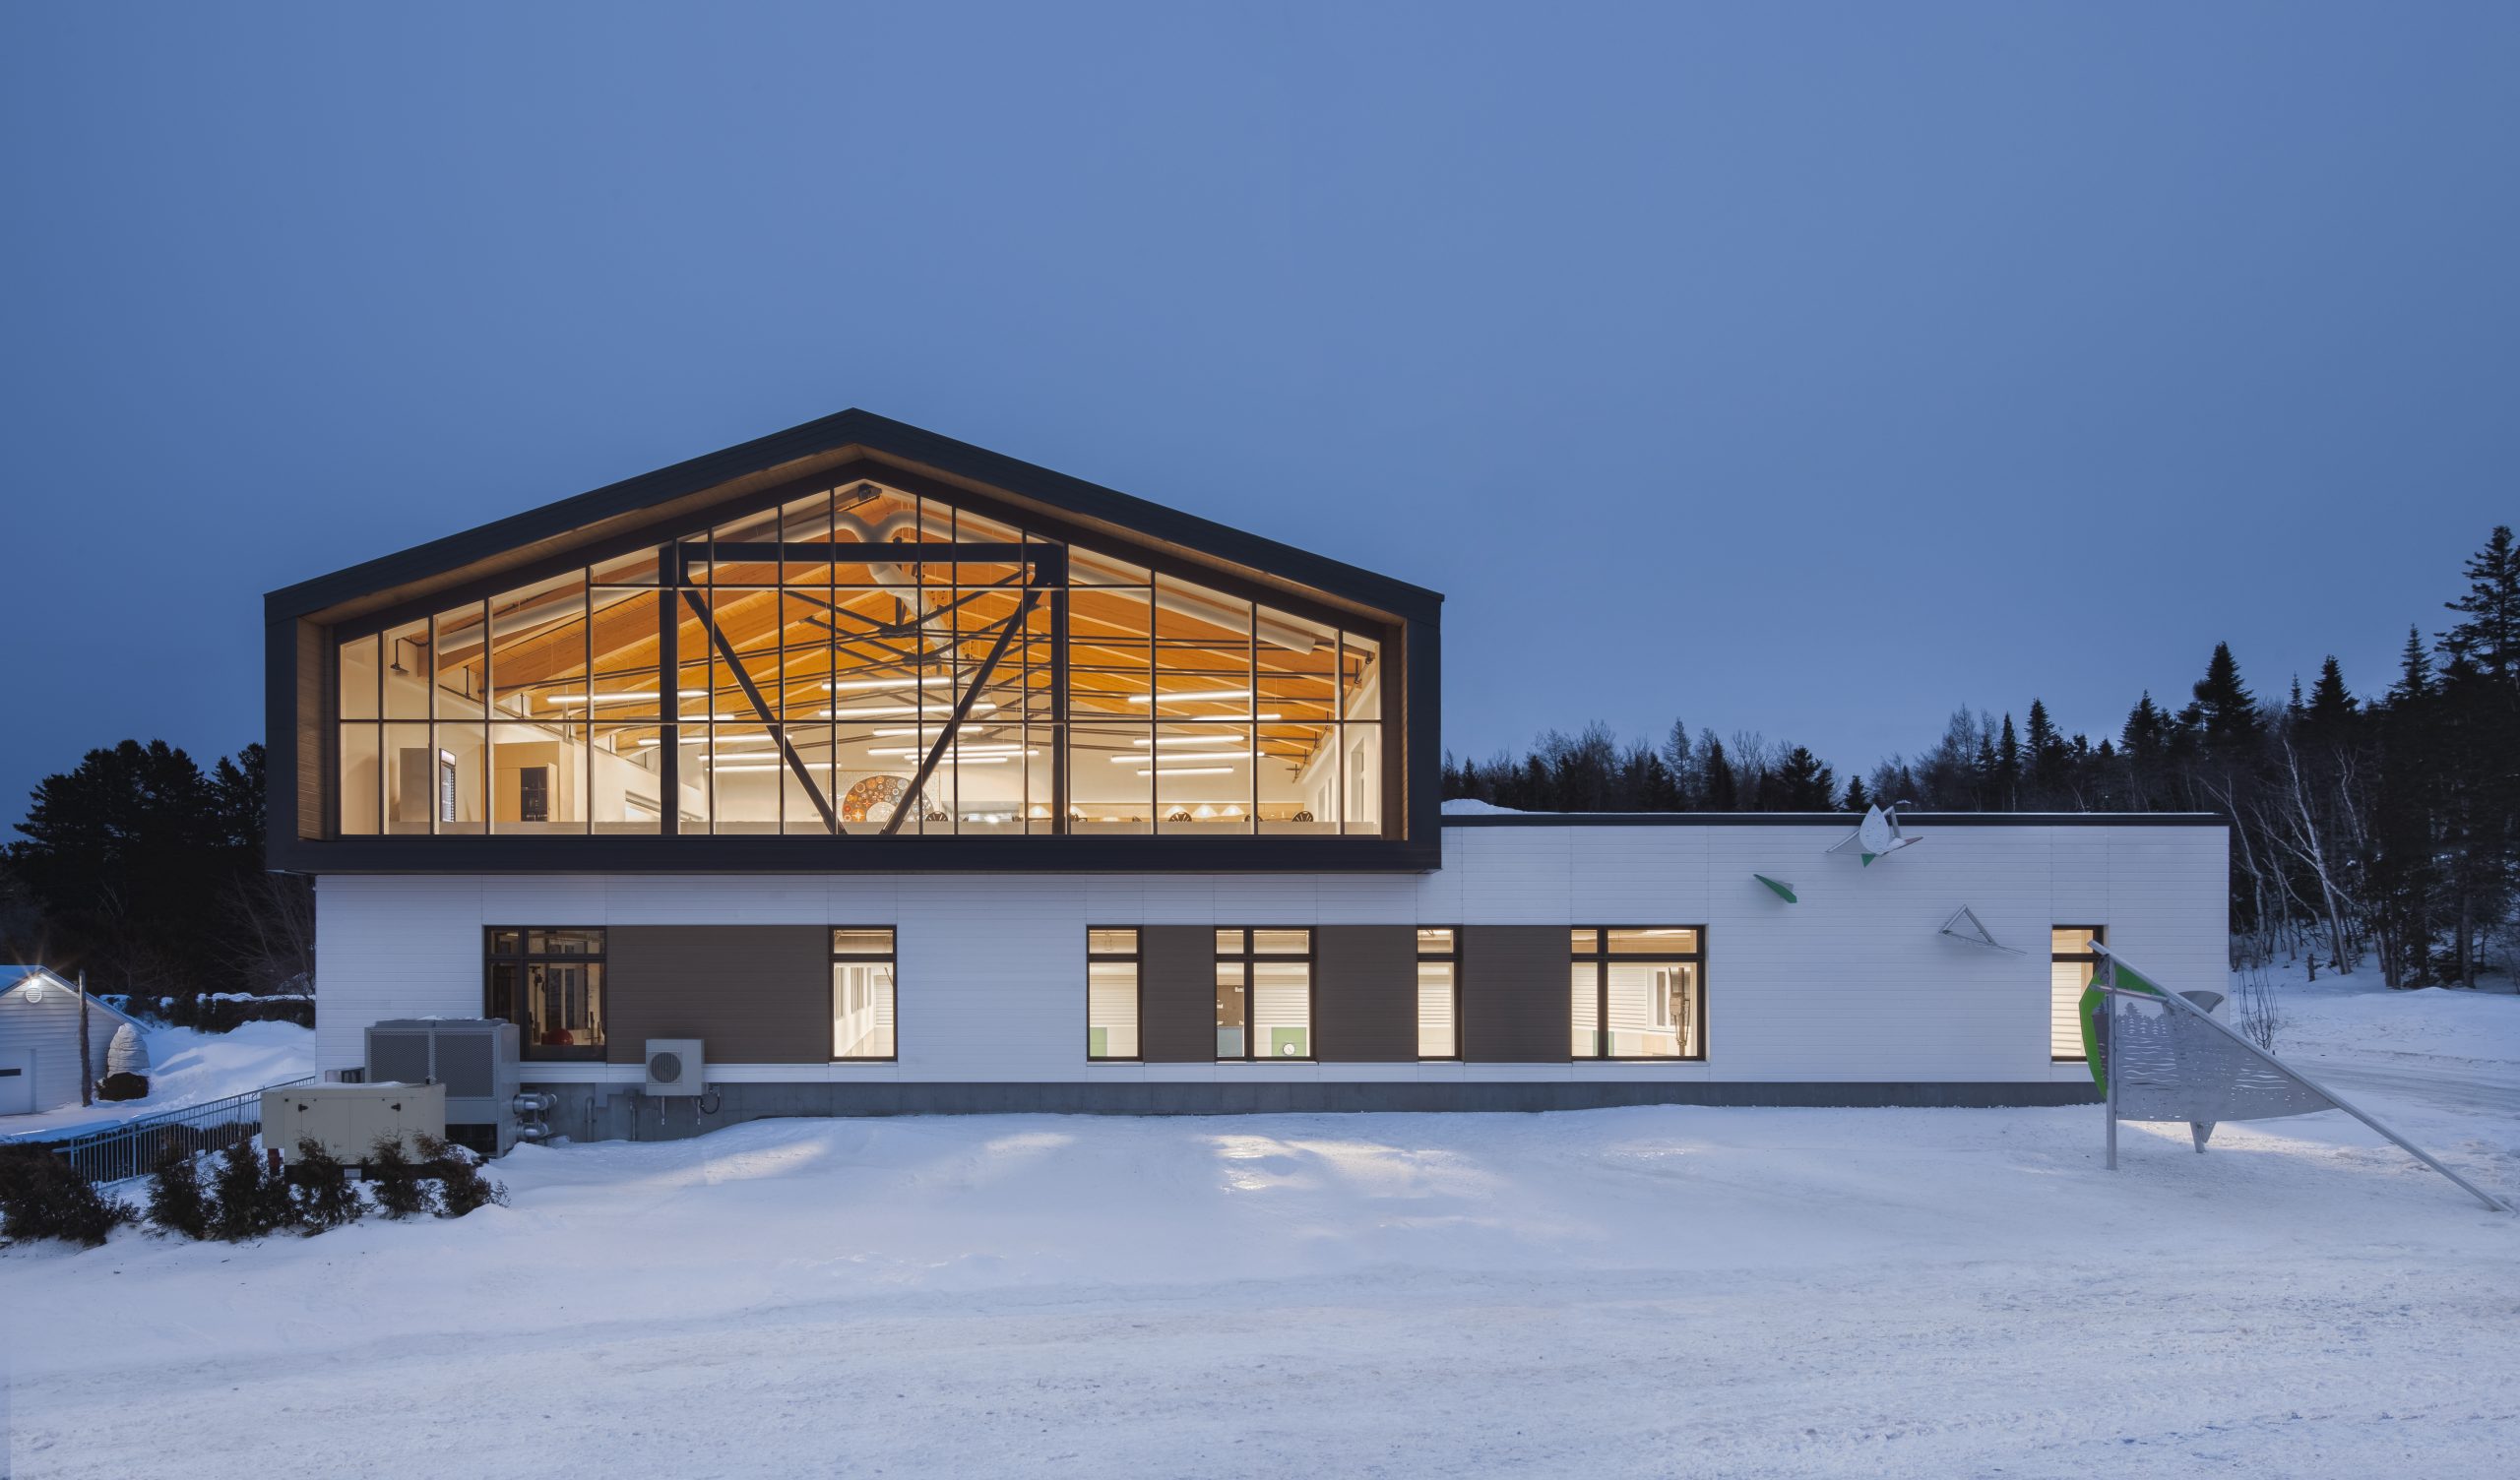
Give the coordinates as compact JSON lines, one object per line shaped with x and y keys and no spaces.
{"x":873,"y":799}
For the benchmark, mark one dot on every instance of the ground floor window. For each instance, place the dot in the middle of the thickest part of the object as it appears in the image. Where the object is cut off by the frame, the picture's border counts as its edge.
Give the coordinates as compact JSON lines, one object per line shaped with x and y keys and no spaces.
{"x":1264,"y":995}
{"x":861,"y":992}
{"x":1111,"y":994}
{"x":549,"y":983}
{"x":1439,"y":993}
{"x":1638,"y":992}
{"x":2071,"y":963}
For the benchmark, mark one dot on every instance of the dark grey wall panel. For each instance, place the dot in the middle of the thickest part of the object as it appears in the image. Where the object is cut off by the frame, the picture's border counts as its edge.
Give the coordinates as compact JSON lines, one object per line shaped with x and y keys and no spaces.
{"x":1514,"y":994}
{"x":758,"y":993}
{"x":1176,"y":994}
{"x":1365,"y":994}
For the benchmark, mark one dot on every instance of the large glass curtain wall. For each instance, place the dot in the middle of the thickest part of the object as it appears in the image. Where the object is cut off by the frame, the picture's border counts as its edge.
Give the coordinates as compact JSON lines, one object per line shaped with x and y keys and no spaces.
{"x":818,"y":661}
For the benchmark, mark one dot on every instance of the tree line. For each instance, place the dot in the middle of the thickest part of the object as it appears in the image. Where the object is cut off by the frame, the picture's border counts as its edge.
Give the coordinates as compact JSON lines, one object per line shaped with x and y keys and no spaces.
{"x":2383,"y":828}
{"x":144,"y":872}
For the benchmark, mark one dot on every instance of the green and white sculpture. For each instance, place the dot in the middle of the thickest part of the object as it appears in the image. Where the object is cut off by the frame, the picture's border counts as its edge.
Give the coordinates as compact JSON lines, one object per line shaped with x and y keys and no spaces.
{"x":1877,"y":837}
{"x":2163,"y":1056}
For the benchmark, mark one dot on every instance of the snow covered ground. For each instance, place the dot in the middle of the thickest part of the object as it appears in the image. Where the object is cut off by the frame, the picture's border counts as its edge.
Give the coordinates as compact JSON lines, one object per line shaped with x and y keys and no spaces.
{"x":186,"y":1068}
{"x":1630,"y":1292}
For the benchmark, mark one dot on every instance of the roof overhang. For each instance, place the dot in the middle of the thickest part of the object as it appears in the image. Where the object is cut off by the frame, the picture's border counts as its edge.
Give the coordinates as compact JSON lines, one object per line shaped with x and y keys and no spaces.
{"x":853,"y":443}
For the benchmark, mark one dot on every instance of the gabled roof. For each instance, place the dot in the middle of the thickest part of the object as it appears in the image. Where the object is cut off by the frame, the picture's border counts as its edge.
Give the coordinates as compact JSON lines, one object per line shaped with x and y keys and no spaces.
{"x":800,"y":451}
{"x":14,"y":977}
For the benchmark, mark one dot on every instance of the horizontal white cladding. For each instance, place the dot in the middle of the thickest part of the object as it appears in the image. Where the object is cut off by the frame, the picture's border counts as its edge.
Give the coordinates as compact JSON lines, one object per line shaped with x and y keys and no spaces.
{"x":1854,"y":983}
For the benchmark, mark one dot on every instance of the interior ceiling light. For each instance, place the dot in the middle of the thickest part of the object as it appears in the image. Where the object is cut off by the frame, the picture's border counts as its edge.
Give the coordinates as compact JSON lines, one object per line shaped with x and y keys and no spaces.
{"x":1192,"y":739}
{"x":1196,"y":755}
{"x":899,"y":712}
{"x":1192,"y":696}
{"x":847,"y":684}
{"x":1187,"y":771}
{"x":620,"y":696}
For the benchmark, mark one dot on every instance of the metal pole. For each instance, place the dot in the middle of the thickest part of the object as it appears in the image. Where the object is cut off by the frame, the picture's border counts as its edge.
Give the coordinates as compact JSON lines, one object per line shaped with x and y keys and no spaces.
{"x":86,"y":1071}
{"x":2108,"y":1068}
{"x":2178,"y":1003}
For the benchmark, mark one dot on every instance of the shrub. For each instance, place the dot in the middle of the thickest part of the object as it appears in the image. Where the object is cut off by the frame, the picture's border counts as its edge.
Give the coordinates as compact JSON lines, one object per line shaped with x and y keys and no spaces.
{"x":458,"y":1175}
{"x":42,"y":1198}
{"x":175,"y":1201}
{"x":396,"y":1181}
{"x":320,"y":1191}
{"x":122,"y":1086}
{"x":252,"y":1201}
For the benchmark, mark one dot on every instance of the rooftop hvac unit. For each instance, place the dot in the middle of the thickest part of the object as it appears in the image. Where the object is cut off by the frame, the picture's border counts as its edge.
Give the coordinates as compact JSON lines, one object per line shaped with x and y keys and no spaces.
{"x":473,"y":1058}
{"x":676,"y":1067}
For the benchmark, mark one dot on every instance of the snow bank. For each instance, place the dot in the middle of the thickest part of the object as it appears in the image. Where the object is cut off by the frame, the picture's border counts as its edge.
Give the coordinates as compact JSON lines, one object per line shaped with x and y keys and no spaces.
{"x":187,"y":1067}
{"x":1462,"y":806}
{"x":1620,"y":1292}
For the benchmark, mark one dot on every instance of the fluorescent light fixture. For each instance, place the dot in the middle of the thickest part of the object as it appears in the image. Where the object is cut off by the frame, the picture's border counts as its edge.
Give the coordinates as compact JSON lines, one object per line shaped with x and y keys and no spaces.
{"x":1189,"y":771}
{"x":846,"y":685}
{"x":1186,"y":740}
{"x":1196,"y":755}
{"x":887,"y":731}
{"x":899,"y":712}
{"x":1191,"y":696}
{"x":620,"y":696}
{"x":964,"y":751}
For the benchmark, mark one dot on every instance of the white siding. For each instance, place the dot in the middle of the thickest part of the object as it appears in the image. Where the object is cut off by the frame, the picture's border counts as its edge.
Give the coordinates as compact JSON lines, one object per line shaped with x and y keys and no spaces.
{"x":50,"y":1029}
{"x":1854,"y":983}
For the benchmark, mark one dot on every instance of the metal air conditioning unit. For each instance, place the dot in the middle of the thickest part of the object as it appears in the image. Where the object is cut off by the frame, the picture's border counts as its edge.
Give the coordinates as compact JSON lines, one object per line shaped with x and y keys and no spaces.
{"x":475,"y":1059}
{"x":676,"y":1067}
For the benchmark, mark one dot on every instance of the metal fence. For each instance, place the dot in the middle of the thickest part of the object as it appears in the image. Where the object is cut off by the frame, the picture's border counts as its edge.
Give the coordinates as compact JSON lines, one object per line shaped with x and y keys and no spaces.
{"x":132,"y":1148}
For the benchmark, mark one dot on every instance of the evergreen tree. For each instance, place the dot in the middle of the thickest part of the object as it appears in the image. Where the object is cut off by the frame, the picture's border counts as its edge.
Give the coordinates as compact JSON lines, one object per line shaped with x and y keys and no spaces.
{"x":1800,"y":783}
{"x":2008,"y":770}
{"x":2331,"y":704}
{"x":1723,"y":793}
{"x":2490,"y":638}
{"x":2225,"y":710}
{"x":1858,"y":799}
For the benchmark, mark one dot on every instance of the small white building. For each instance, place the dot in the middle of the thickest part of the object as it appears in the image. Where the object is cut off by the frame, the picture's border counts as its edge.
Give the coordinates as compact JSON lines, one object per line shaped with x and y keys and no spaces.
{"x":39,"y":1040}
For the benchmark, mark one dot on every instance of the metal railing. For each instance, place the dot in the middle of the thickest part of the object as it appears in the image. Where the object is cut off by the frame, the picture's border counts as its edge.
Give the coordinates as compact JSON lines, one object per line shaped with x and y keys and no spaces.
{"x":117,"y":1153}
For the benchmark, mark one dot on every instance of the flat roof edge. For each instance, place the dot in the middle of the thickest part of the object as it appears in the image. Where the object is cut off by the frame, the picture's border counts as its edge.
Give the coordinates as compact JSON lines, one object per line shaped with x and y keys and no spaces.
{"x":1833,"y":819}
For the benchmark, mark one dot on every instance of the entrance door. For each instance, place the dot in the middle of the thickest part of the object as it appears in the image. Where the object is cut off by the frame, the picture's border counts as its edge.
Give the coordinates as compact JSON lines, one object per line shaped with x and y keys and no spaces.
{"x":17,"y":1080}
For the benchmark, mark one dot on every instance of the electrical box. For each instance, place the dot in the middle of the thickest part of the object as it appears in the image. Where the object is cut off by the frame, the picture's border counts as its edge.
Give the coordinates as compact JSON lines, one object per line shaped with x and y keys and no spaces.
{"x":676,"y":1067}
{"x":473,"y":1058}
{"x":347,"y":1119}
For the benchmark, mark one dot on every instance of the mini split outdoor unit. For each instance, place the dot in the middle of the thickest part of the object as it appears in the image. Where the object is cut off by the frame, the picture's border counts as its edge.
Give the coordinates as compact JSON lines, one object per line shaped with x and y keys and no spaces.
{"x":475,"y":1060}
{"x":676,"y":1067}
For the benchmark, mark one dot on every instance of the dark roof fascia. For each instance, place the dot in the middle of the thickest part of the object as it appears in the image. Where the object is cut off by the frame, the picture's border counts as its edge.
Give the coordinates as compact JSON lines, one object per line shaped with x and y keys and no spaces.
{"x":883,"y":440}
{"x":1838,"y":819}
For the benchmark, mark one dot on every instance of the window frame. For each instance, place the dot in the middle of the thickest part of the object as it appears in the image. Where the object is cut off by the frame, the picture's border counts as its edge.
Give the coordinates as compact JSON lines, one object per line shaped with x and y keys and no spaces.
{"x":1602,"y":959}
{"x":2057,"y":957}
{"x":1452,"y":957}
{"x":523,"y":958}
{"x":1247,"y":959}
{"x":1135,"y":956}
{"x":833,"y":957}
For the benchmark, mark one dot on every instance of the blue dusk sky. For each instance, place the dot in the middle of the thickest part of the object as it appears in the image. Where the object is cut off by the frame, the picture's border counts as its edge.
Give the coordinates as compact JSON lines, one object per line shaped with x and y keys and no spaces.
{"x":1812,"y":369}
